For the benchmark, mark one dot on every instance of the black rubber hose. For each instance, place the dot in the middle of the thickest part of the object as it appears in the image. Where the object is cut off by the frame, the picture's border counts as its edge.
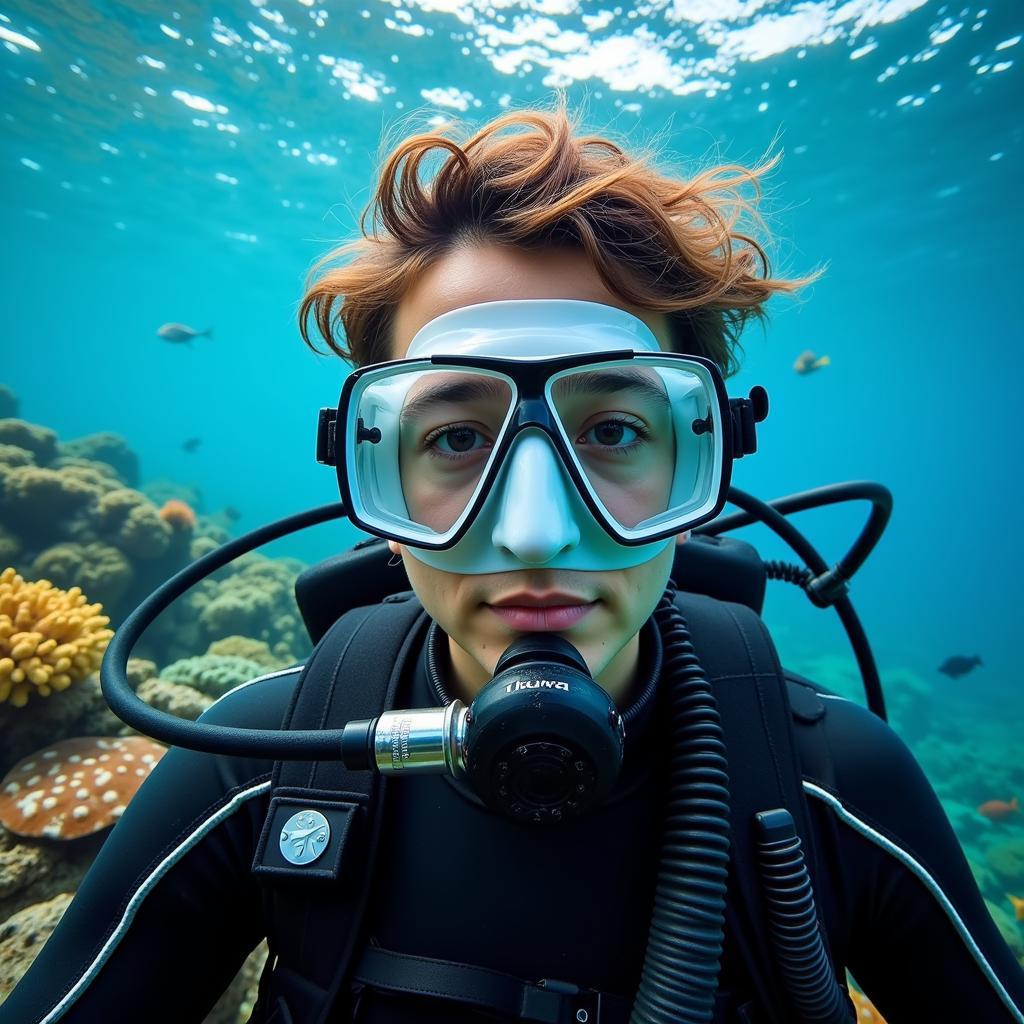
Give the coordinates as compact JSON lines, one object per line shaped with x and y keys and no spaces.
{"x":684,"y":945}
{"x":807,"y":974}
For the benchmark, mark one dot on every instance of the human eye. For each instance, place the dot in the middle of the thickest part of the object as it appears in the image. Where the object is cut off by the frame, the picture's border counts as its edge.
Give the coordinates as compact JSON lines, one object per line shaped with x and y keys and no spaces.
{"x":615,"y":434}
{"x":455,"y":441}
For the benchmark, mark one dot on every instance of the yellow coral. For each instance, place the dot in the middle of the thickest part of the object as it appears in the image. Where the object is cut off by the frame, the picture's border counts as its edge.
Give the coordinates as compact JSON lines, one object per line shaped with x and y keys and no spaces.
{"x":49,"y":638}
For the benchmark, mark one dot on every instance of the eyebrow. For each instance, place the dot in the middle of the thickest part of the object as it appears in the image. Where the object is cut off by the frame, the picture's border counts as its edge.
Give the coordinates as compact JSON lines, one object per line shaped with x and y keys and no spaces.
{"x":466,"y":389}
{"x":479,"y":387}
{"x":609,"y":382}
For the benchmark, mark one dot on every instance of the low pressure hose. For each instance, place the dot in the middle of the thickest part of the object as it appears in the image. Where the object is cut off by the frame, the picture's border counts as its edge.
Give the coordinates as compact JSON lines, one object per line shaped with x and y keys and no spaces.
{"x":684,"y":945}
{"x":815,"y":994}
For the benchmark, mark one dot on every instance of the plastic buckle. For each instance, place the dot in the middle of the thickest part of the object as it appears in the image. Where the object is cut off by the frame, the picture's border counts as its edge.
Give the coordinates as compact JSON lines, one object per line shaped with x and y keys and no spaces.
{"x":325,"y":435}
{"x":561,"y":1002}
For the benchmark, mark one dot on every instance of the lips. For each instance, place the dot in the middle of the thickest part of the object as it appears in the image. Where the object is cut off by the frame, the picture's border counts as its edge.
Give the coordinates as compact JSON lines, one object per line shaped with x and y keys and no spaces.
{"x":550,"y":612}
{"x":550,"y":599}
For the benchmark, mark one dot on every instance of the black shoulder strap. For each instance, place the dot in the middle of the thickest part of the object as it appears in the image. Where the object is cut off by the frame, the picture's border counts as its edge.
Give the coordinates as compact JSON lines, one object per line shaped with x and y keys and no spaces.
{"x":314,"y":911}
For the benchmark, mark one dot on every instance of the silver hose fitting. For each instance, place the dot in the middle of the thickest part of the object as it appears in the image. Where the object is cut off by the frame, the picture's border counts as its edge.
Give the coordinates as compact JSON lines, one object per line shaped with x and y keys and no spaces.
{"x":422,"y":741}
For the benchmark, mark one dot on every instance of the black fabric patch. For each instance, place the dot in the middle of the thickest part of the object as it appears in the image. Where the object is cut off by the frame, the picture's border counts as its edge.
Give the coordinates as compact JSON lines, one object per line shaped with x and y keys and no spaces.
{"x":269,"y":861}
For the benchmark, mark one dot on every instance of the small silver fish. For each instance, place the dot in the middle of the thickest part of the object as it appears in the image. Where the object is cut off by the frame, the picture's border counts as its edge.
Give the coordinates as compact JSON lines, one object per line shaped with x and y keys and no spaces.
{"x":182,"y":332}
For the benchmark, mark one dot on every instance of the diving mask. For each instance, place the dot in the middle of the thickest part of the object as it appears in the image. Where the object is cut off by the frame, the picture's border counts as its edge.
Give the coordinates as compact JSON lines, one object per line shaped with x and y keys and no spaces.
{"x":533,"y":433}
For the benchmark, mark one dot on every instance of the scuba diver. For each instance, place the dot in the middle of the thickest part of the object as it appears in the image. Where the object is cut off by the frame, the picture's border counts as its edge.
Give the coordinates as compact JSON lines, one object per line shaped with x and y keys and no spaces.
{"x":543,"y":763}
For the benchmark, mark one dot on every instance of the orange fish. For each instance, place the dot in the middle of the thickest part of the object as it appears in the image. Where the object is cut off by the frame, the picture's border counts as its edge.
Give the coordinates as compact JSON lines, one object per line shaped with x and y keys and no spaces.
{"x":1018,"y":905}
{"x":996,"y":809}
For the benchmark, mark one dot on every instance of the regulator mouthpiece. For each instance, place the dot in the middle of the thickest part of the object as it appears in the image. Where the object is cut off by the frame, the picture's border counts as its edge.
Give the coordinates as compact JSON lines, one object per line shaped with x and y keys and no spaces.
{"x":541,"y":743}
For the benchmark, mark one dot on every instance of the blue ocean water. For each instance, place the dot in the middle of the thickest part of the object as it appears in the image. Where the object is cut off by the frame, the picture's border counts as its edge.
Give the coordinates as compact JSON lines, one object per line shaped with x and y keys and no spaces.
{"x":168,"y":163}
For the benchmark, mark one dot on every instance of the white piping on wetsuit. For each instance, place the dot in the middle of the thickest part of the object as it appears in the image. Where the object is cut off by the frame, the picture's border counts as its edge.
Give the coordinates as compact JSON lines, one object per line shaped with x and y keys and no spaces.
{"x":908,"y":861}
{"x":159,"y":871}
{"x":258,"y":679}
{"x":143,"y":891}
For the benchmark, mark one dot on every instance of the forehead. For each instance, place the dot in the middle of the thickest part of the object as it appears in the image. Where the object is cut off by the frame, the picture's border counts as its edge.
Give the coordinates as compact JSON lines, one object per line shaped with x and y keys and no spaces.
{"x":488,"y":273}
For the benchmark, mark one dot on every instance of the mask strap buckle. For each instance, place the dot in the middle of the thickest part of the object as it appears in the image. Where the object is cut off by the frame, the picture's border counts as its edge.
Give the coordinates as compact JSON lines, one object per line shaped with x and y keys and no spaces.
{"x":746,"y":413}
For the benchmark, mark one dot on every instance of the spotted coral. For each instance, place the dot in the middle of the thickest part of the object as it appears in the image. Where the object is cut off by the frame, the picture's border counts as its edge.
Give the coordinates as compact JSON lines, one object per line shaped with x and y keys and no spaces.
{"x":49,"y":638}
{"x":77,"y":786}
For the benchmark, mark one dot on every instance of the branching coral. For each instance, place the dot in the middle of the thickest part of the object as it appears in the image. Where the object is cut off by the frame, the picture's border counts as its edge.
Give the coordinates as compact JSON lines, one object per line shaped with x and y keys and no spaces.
{"x":49,"y":638}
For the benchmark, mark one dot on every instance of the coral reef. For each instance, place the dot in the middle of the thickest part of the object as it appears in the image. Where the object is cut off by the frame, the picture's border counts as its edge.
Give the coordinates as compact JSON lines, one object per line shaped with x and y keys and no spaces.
{"x":212,"y":674}
{"x":1006,"y":859}
{"x":49,"y":638}
{"x":111,"y":449}
{"x":40,"y":441}
{"x":178,"y":515}
{"x":75,"y":787}
{"x":23,"y":935}
{"x":100,"y":569}
{"x":9,"y":404}
{"x":176,"y":699}
{"x":245,"y":647}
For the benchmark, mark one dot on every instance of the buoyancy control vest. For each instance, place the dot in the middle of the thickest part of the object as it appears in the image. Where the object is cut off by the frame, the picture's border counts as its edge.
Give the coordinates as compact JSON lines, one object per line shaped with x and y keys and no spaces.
{"x":318,"y":951}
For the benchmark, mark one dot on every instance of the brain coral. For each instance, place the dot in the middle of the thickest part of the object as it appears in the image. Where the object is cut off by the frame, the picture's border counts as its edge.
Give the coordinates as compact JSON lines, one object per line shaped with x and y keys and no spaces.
{"x":99,"y":569}
{"x":110,"y":449}
{"x":40,"y":502}
{"x":40,"y":441}
{"x":131,"y":521}
{"x":49,"y":638}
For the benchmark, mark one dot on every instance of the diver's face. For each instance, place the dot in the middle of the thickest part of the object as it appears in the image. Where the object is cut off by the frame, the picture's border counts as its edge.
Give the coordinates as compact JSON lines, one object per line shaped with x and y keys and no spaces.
{"x":618,"y":601}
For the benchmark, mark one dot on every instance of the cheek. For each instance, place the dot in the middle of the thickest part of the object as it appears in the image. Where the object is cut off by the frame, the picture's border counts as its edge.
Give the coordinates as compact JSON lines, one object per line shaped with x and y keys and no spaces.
{"x":437,"y":590}
{"x":646,"y":583}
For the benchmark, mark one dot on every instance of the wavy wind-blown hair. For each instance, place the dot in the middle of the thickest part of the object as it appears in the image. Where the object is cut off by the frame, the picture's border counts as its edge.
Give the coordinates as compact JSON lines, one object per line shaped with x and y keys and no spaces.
{"x":659,"y":243}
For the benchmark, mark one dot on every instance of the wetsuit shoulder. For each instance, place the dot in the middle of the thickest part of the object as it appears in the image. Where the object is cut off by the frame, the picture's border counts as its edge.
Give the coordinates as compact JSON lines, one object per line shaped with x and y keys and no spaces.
{"x":170,"y":894}
{"x":921,"y":941}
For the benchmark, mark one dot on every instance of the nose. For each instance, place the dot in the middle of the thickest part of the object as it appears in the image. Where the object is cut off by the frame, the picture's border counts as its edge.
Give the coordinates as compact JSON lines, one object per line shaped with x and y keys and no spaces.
{"x":535,"y":518}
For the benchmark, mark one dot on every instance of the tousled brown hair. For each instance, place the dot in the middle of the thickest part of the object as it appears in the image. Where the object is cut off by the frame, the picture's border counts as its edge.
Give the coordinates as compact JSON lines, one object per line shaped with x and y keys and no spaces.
{"x":660,"y":243}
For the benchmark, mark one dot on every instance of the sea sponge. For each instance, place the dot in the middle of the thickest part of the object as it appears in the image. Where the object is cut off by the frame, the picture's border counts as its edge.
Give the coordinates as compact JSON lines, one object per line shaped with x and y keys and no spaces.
{"x":111,"y":449}
{"x":49,"y":638}
{"x":99,"y":569}
{"x":40,"y":441}
{"x":178,"y":515}
{"x":213,"y":674}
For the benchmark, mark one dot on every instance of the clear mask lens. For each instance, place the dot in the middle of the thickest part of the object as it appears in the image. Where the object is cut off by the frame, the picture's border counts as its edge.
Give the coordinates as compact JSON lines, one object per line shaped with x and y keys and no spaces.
{"x":638,"y":434}
{"x":437,"y":435}
{"x":421,"y":442}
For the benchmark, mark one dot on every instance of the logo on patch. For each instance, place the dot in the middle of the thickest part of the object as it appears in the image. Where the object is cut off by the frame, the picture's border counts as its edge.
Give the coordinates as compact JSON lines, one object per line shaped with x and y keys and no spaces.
{"x":304,"y":837}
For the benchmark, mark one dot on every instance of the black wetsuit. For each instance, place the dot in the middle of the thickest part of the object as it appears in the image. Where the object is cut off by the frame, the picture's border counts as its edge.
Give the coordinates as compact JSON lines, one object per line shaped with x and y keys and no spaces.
{"x":170,"y":909}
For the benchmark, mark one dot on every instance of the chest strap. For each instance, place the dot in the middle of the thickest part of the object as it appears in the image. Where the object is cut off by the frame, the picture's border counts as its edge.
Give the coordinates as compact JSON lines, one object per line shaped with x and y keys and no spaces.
{"x":547,"y":1001}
